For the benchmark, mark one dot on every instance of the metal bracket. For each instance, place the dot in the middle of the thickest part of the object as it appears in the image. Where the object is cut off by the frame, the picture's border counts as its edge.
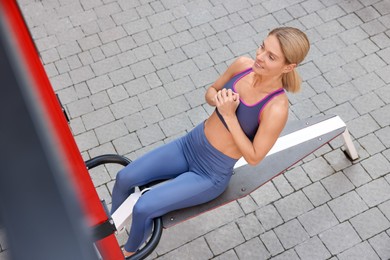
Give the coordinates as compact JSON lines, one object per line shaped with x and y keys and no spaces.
{"x":350,"y":149}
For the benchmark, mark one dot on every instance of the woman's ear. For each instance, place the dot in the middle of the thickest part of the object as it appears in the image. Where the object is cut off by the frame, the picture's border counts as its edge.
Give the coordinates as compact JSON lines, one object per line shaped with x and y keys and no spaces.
{"x":290,"y":67}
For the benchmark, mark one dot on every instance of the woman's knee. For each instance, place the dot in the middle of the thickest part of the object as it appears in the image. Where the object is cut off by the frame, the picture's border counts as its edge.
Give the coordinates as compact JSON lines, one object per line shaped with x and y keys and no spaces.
{"x":142,"y":208}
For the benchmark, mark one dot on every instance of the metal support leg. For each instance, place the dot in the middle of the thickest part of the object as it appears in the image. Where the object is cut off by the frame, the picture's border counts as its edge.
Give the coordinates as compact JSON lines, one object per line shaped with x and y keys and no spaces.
{"x":349,"y":146}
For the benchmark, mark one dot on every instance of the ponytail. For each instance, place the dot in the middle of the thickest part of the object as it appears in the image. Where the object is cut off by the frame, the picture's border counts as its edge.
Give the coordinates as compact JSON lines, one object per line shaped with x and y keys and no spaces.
{"x":292,"y":81}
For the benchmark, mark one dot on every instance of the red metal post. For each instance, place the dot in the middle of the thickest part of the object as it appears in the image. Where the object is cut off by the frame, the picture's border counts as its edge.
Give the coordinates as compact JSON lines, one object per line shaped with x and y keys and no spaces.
{"x":67,"y":146}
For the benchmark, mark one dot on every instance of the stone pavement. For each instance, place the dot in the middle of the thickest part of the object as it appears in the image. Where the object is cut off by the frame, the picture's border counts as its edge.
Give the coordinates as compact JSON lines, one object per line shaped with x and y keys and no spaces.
{"x":133,"y":73}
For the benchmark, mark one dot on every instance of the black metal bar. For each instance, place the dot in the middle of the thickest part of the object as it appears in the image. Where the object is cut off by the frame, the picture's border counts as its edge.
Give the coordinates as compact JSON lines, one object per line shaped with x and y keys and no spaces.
{"x":152,"y":243}
{"x":107,"y":158}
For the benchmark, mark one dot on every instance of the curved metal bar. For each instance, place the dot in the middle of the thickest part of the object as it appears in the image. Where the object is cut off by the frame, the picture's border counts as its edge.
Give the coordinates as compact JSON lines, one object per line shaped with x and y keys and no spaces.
{"x":152,"y":243}
{"x":106,"y":158}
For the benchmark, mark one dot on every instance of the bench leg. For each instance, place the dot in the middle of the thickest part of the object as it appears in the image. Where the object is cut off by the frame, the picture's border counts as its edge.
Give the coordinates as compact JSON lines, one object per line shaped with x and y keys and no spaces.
{"x":122,"y":215}
{"x":349,"y":146}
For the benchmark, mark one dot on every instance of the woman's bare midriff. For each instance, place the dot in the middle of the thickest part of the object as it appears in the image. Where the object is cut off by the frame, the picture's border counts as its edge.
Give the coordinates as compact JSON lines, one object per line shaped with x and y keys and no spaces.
{"x":220,"y":138}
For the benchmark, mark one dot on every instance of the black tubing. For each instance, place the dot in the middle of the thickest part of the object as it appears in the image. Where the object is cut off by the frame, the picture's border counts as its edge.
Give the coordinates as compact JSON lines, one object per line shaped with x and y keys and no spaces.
{"x":107,"y":158}
{"x":152,"y":243}
{"x":157,"y":222}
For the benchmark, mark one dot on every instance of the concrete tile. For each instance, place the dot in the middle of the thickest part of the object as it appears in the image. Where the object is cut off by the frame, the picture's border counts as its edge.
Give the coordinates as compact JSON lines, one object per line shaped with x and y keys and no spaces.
{"x":362,"y":250}
{"x":347,"y":206}
{"x":250,"y":226}
{"x":370,"y":223}
{"x":293,"y":205}
{"x":337,"y":184}
{"x":312,"y":249}
{"x":252,"y":249}
{"x":380,"y":243}
{"x":265,"y":194}
{"x":291,"y":234}
{"x":316,"y":194}
{"x":197,"y":249}
{"x":375,"y":192}
{"x":272,"y":243}
{"x":224,"y":238}
{"x":318,"y":220}
{"x":340,"y":238}
{"x":376,"y":165}
{"x":269,"y":217}
{"x":357,"y":175}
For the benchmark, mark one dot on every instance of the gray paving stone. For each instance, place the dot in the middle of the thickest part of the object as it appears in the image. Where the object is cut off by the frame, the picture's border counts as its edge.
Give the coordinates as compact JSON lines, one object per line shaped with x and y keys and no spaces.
{"x":252,"y":249}
{"x":375,"y":192}
{"x":347,"y":206}
{"x":150,"y":134}
{"x":173,"y":106}
{"x":384,"y":135}
{"x":385,"y":208}
{"x":97,"y":118}
{"x":100,"y":100}
{"x":106,"y":148}
{"x":317,"y":169}
{"x":282,"y":185}
{"x":331,"y":28}
{"x":179,"y":87}
{"x":291,"y":234}
{"x":297,"y":178}
{"x":318,"y":220}
{"x":312,"y":249}
{"x":293,"y":205}
{"x":125,"y":107}
{"x":367,"y":14}
{"x":354,"y":69}
{"x":224,"y":238}
{"x":337,"y":184}
{"x":201,"y":225}
{"x":81,"y":74}
{"x":197,"y":249}
{"x":86,"y":140}
{"x":176,"y":124}
{"x":151,"y":115}
{"x":111,"y":131}
{"x":362,"y":126}
{"x":134,"y":122}
{"x":357,"y":175}
{"x":370,"y":223}
{"x":269,"y":217}
{"x":316,"y":194}
{"x":117,"y":93}
{"x":340,"y":238}
{"x":287,"y":255}
{"x":197,"y":115}
{"x":229,"y":255}
{"x":205,"y":77}
{"x":376,"y":166}
{"x":250,"y":226}
{"x":338,"y":160}
{"x":380,"y":243}
{"x":362,"y":250}
{"x":371,"y":144}
{"x":265,"y":194}
{"x":99,"y":84}
{"x":337,"y":77}
{"x":272,"y":243}
{"x":368,"y":46}
{"x":153,"y":97}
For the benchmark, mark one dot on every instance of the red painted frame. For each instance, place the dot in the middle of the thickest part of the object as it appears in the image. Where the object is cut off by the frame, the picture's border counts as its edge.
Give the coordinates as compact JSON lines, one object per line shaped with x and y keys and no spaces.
{"x":86,"y":192}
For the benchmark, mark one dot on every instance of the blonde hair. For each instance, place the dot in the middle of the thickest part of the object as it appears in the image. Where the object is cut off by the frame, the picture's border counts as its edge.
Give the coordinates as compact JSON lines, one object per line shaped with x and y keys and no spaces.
{"x":295,"y":45}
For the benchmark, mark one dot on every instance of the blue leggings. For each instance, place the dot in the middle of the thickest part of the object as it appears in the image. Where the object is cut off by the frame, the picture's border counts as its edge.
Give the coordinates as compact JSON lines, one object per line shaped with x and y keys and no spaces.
{"x":198,"y":173}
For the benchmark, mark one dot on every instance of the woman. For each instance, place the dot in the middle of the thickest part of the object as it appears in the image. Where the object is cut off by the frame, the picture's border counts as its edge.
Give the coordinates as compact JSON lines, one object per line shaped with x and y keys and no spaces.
{"x":251,"y":111}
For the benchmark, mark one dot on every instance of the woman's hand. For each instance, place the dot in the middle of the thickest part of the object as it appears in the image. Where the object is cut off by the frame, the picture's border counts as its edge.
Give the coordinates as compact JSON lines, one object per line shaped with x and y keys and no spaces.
{"x":227,"y":102}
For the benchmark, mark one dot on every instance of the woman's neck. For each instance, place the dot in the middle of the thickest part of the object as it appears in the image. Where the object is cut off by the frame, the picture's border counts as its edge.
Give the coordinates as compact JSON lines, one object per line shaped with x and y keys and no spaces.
{"x":267,"y":84}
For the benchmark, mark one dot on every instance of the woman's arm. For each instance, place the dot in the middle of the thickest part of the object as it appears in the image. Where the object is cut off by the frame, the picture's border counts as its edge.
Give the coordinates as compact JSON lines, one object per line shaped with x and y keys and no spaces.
{"x":273,"y":120}
{"x":238,"y":65}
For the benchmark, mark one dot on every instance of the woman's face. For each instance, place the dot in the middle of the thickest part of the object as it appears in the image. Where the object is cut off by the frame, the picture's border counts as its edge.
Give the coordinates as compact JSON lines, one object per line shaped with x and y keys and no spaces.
{"x":270,"y":60}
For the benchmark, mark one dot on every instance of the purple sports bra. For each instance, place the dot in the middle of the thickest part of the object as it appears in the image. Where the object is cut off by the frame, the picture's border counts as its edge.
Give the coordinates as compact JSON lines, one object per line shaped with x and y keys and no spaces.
{"x":248,"y":115}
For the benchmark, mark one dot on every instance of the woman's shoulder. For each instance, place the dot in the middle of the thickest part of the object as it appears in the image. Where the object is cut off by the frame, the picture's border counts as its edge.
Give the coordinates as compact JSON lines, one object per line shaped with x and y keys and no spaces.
{"x":243,"y":62}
